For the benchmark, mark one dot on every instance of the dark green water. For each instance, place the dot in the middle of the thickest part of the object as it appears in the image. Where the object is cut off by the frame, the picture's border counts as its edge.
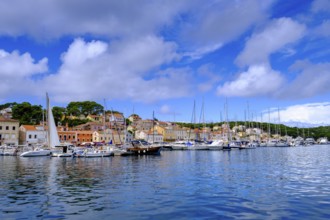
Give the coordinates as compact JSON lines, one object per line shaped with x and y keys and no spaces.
{"x":262,"y":183}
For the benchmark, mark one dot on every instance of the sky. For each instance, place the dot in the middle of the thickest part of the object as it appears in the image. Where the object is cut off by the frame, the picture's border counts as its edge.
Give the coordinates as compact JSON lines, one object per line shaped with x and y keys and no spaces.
{"x":187,"y":60}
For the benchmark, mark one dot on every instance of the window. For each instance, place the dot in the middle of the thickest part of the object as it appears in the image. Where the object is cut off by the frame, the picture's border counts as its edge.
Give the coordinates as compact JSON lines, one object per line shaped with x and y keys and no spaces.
{"x":30,"y":136}
{"x":0,"y":127}
{"x":7,"y":128}
{"x":35,"y":136}
{"x":14,"y":128}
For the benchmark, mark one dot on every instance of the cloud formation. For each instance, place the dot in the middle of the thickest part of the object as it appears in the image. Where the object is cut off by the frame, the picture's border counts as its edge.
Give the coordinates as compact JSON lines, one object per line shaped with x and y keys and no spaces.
{"x":312,"y":80}
{"x":258,"y":80}
{"x":118,"y":71}
{"x":55,"y":18}
{"x":216,"y":23}
{"x":310,"y":113}
{"x":275,"y":36}
{"x":17,"y":71}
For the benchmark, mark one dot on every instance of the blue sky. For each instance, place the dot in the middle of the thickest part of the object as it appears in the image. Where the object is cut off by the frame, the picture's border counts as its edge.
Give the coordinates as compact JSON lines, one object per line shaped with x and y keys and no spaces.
{"x":144,"y":56}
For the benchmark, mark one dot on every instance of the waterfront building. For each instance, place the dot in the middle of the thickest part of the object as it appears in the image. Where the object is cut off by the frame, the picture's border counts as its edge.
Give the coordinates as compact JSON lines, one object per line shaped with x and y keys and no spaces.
{"x":154,"y":137}
{"x":68,"y":136}
{"x":9,"y":131}
{"x":32,"y":134}
{"x":172,"y":132}
{"x":144,"y":125}
{"x":84,"y":136}
{"x":111,"y":136}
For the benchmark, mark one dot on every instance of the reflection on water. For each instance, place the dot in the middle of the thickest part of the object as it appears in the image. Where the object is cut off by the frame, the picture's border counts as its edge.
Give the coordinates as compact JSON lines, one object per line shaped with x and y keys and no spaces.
{"x":262,"y":183}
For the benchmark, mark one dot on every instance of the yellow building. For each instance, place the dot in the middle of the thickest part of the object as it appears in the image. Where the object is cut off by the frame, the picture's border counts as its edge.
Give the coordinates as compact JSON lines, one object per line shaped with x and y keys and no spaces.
{"x":9,"y":131}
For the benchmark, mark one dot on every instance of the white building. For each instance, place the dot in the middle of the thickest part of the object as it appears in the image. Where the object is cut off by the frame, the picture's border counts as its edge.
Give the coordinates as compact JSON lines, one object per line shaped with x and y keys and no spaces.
{"x":32,"y":134}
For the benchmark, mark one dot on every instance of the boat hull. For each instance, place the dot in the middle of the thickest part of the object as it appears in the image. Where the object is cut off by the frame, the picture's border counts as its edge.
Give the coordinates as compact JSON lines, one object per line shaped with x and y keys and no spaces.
{"x":144,"y":150}
{"x":36,"y":153}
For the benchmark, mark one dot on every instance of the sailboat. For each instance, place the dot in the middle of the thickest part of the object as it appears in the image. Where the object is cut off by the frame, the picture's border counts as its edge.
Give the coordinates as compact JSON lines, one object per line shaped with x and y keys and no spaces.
{"x":57,"y":149}
{"x":38,"y":151}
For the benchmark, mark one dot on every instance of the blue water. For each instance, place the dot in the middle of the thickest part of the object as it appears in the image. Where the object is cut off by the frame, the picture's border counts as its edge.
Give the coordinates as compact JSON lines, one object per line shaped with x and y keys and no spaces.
{"x":262,"y":183}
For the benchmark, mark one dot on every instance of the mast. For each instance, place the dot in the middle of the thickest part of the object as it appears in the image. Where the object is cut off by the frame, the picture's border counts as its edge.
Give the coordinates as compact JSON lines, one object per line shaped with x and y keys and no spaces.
{"x":268,"y":124}
{"x":279,"y":122}
{"x":153,"y":127}
{"x":47,"y":116}
{"x":104,"y":118}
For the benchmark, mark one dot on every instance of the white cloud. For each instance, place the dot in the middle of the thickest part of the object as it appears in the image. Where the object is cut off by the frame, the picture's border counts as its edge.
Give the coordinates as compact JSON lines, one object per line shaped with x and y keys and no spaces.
{"x":16,"y":72}
{"x":80,"y":51}
{"x":311,"y":113}
{"x":312,"y":80}
{"x":276,"y":35}
{"x":55,"y":18}
{"x":258,"y":80}
{"x":215,"y":23}
{"x":97,"y":70}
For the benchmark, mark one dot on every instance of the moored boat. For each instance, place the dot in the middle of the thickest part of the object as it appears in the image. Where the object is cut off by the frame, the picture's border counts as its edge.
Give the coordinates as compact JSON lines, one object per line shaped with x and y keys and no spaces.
{"x":140,"y":147}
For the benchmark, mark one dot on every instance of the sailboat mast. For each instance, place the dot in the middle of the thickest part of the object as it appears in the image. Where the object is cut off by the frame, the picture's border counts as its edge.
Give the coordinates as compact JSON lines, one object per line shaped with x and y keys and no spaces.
{"x":153,"y":127}
{"x":47,"y":116}
{"x":104,"y":118}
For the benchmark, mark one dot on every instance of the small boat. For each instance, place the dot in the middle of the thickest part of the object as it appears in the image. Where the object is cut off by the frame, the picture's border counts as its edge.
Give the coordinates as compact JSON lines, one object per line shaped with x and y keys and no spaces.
{"x":282,"y":143}
{"x":181,"y":145}
{"x":310,"y":141}
{"x":65,"y":150}
{"x":323,"y":140}
{"x":92,"y":152}
{"x":9,"y":151}
{"x":141,"y":147}
{"x":36,"y":152}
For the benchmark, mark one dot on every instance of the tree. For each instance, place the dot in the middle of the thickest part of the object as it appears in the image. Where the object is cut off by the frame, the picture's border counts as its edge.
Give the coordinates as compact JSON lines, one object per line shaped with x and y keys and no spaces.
{"x":58,"y":113}
{"x":10,"y":104}
{"x":84,"y":108}
{"x":27,"y":113}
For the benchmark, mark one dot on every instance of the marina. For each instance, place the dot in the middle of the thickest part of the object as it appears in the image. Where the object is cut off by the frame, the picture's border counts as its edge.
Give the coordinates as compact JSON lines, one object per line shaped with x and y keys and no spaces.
{"x":263,"y":183}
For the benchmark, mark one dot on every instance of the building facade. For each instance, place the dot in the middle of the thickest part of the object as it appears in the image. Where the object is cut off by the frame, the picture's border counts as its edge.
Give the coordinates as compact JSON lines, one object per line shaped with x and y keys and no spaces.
{"x":32,"y":134}
{"x":9,"y":131}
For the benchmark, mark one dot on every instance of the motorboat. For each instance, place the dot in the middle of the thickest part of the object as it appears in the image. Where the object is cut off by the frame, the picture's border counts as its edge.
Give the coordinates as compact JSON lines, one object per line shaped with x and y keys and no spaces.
{"x":36,"y":152}
{"x":141,"y":147}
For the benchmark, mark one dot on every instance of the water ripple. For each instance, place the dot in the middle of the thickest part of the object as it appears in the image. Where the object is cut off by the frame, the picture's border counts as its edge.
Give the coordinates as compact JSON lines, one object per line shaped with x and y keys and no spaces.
{"x":265,"y":183}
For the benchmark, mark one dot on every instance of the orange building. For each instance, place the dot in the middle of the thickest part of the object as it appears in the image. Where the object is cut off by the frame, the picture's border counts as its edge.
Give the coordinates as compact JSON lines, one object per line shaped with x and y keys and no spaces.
{"x":84,"y":136}
{"x":68,"y":136}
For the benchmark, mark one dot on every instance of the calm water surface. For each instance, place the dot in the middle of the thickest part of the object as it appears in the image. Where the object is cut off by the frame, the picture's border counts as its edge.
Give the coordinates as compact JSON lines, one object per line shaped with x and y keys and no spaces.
{"x":262,"y":183}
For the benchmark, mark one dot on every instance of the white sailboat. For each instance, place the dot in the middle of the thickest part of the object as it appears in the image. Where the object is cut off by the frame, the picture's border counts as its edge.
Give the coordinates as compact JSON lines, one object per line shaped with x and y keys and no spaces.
{"x":57,"y":149}
{"x":53,"y":139}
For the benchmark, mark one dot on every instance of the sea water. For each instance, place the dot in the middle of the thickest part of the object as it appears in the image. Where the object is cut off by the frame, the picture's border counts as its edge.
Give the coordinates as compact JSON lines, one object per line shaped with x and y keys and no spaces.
{"x":261,"y":183}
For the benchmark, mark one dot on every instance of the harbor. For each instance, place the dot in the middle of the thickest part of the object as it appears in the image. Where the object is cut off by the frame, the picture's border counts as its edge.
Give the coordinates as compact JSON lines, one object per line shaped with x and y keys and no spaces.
{"x":264,"y":183}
